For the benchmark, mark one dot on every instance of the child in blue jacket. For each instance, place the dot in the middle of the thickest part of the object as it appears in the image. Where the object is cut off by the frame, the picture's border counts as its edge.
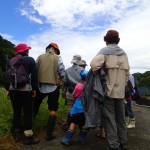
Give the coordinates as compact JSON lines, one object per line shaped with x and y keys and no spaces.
{"x":77,"y":114}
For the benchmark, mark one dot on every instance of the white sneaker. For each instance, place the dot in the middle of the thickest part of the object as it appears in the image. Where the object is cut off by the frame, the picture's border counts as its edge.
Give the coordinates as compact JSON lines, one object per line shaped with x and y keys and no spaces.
{"x":132,"y":124}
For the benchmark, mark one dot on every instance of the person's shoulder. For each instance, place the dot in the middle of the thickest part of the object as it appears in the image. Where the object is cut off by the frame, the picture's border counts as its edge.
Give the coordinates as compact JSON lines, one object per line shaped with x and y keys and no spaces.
{"x":30,"y":58}
{"x":102,"y":50}
{"x":69,"y":68}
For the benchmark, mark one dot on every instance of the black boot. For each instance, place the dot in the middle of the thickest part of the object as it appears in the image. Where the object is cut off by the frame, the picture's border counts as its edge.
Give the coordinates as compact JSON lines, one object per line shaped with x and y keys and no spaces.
{"x":50,"y":127}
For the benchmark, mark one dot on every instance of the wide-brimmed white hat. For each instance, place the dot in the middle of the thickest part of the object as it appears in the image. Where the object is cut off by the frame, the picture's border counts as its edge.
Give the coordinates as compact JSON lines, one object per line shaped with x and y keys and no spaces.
{"x":76,"y":60}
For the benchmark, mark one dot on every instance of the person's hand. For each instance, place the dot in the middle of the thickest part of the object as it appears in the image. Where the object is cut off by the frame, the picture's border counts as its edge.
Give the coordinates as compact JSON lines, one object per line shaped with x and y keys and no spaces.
{"x":33,"y":93}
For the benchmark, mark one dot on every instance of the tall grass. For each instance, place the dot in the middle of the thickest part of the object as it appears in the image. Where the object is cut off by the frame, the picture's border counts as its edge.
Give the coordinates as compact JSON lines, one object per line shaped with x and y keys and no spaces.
{"x":5,"y":112}
{"x":39,"y":123}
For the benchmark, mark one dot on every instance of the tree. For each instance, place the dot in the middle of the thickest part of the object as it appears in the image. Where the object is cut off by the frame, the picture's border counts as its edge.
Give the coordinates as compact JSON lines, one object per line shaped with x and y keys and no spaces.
{"x":142,"y":79}
{"x":6,"y":49}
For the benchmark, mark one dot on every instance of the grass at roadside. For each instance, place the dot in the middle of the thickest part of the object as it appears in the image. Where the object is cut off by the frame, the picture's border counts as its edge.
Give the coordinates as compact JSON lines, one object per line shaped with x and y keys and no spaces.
{"x":39,"y":123}
{"x":5,"y":112}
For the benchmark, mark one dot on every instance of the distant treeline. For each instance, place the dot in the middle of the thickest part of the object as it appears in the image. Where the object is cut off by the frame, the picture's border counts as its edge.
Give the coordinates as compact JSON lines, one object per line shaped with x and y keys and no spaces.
{"x":6,"y":49}
{"x":143,"y":83}
{"x":142,"y":79}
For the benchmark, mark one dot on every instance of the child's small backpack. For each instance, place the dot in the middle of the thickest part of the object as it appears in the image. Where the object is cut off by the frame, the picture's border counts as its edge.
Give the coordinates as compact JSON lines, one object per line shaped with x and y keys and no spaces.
{"x":16,"y":73}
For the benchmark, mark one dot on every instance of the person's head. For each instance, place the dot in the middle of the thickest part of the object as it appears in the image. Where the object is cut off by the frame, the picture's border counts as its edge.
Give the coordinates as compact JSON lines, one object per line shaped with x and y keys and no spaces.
{"x":55,"y":47}
{"x":22,"y":49}
{"x":83,"y":64}
{"x":112,"y":37}
{"x":76,"y":60}
{"x":83,"y":74}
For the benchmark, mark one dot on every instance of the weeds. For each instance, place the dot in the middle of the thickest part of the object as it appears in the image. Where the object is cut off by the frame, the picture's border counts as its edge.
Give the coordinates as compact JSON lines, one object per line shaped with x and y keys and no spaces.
{"x":39,"y":123}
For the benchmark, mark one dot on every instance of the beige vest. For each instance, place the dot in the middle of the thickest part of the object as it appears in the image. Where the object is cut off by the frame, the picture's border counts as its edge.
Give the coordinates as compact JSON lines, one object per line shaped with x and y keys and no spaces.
{"x":47,"y":68}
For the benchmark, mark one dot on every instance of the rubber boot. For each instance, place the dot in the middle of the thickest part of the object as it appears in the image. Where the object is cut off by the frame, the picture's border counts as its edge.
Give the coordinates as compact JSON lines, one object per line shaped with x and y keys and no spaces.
{"x":127,"y":120}
{"x":82,"y":136}
{"x":132,"y":123}
{"x":67,"y":140}
{"x":50,"y":127}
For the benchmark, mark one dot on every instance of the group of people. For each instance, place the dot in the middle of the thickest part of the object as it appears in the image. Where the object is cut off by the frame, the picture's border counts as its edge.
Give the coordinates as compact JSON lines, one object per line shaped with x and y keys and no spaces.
{"x":94,"y":98}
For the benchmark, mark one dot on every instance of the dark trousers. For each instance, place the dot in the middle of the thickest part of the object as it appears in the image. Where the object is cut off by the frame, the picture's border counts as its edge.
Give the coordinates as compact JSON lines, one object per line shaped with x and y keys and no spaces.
{"x":114,"y":122}
{"x":21,"y":102}
{"x":52,"y":101}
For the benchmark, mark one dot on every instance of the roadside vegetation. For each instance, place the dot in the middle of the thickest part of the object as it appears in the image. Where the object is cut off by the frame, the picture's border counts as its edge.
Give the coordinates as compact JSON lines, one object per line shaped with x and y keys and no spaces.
{"x":39,"y":123}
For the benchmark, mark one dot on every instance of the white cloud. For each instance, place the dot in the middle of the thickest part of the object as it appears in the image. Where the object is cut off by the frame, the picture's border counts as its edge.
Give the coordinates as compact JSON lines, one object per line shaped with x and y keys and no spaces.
{"x":78,"y":27}
{"x":133,"y":27}
{"x":78,"y":13}
{"x":30,"y":15}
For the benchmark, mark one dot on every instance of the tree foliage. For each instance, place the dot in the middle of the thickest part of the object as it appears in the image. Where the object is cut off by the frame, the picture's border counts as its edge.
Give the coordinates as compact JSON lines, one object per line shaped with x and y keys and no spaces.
{"x":142,"y":79}
{"x":6,"y":49}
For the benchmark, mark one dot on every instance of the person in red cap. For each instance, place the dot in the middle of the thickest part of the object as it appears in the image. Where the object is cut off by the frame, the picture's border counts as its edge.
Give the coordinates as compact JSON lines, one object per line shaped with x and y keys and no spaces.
{"x":50,"y":70}
{"x":21,"y":97}
{"x":114,"y":61}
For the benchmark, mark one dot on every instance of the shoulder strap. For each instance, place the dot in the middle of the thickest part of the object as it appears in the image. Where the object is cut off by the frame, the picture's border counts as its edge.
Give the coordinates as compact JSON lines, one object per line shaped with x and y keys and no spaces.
{"x":15,"y":60}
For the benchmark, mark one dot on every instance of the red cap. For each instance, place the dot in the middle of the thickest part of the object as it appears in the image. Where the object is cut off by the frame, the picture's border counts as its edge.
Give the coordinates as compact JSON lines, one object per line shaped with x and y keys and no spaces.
{"x":21,"y":48}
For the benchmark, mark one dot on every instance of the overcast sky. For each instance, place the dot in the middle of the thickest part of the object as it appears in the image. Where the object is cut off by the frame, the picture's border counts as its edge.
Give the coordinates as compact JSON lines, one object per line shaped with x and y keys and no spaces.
{"x":78,"y":27}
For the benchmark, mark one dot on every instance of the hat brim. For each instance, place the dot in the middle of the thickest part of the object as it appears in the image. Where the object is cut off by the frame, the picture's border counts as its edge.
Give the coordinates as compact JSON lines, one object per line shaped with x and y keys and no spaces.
{"x":76,"y":62}
{"x":16,"y":52}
